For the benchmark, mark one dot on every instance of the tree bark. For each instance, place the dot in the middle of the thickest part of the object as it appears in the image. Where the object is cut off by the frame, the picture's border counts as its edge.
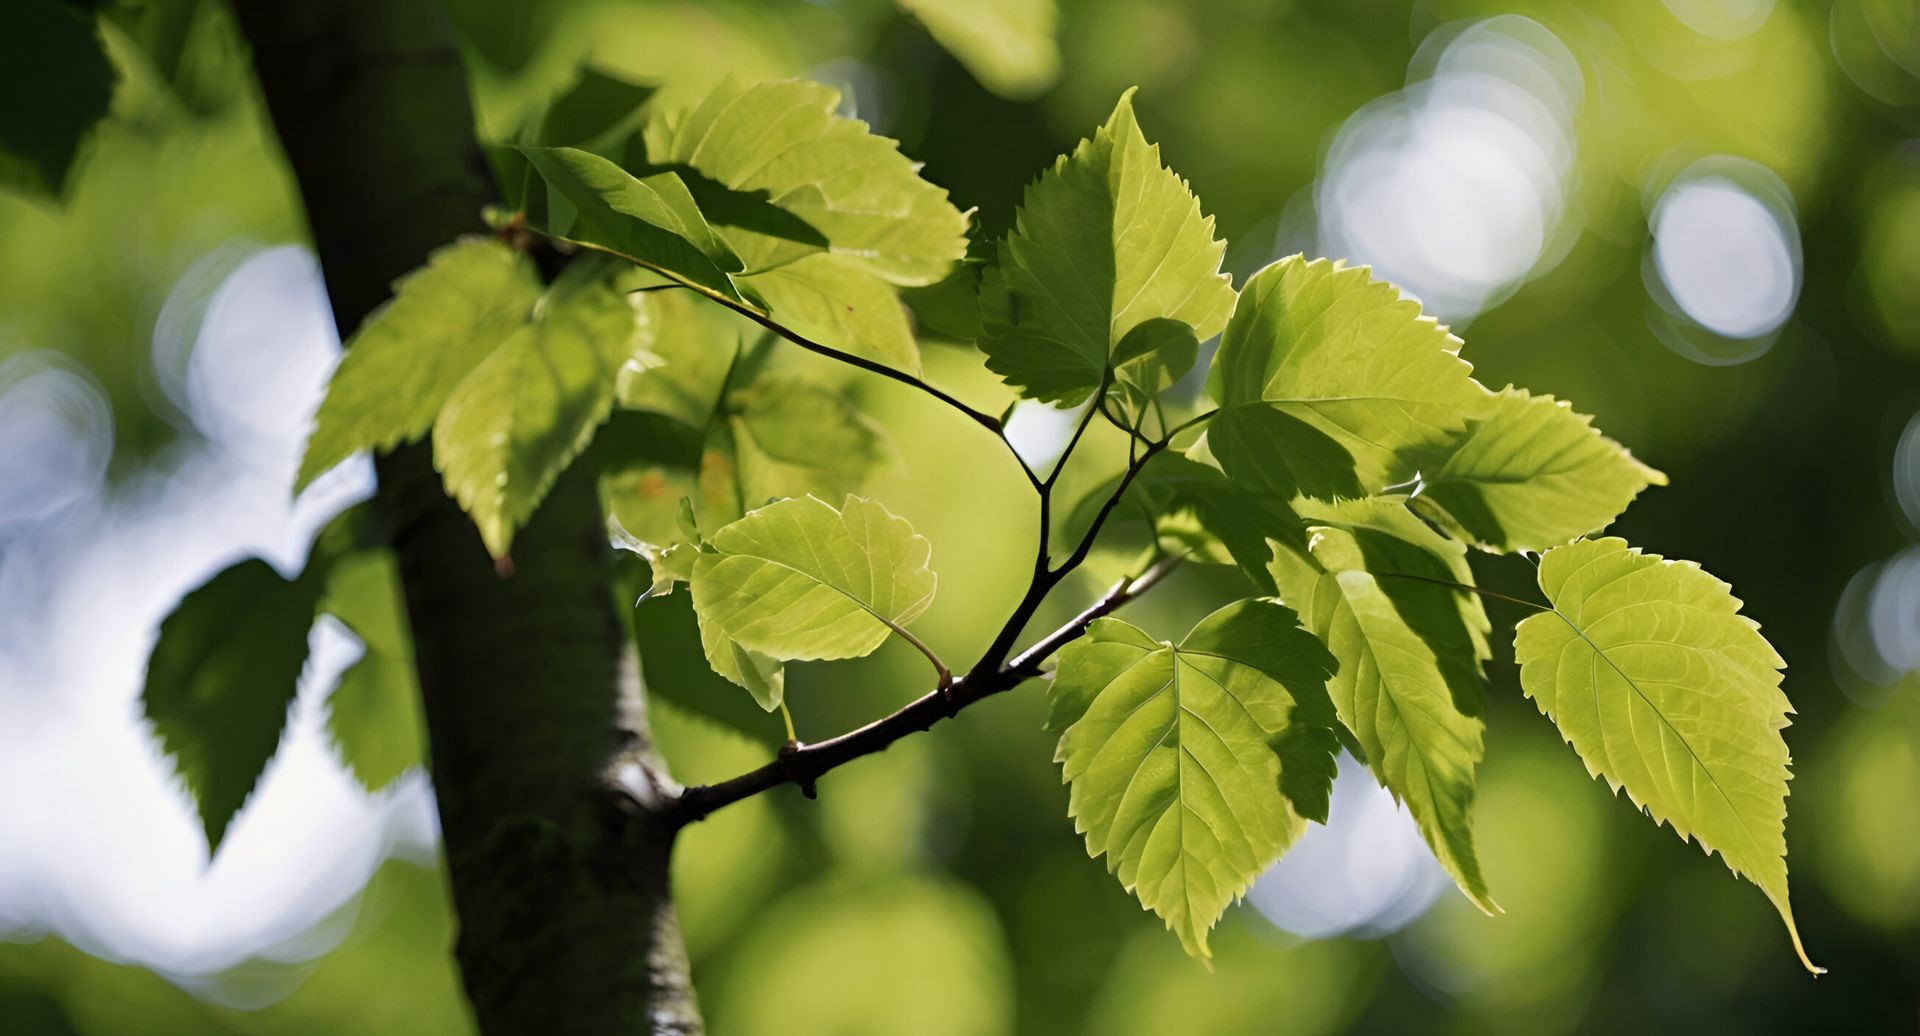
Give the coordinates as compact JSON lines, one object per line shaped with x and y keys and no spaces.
{"x":542,"y":765}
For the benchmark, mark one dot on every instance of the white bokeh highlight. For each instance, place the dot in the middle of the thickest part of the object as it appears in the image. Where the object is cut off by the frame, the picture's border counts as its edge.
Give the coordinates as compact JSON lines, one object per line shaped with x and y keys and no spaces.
{"x":1455,"y":188}
{"x":1729,"y":260}
{"x":99,"y":844}
{"x":1366,"y":873}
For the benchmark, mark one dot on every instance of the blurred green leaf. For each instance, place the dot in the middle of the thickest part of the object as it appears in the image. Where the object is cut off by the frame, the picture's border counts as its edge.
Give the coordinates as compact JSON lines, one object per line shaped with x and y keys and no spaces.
{"x":1534,"y":474}
{"x":794,"y":437}
{"x":1408,"y":688}
{"x":799,"y":580}
{"x":518,"y":419}
{"x":1007,"y":44}
{"x":594,"y":113}
{"x":57,"y":84}
{"x":780,"y":146}
{"x":1104,"y":241}
{"x":410,"y":354}
{"x":1332,"y":385}
{"x":1665,"y":689}
{"x":1193,"y":767}
{"x":873,"y":958}
{"x":373,"y":714}
{"x":221,"y":679}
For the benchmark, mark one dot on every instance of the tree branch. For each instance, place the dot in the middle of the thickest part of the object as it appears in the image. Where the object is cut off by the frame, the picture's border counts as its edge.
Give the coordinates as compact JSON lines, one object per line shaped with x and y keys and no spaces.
{"x":802,"y":765}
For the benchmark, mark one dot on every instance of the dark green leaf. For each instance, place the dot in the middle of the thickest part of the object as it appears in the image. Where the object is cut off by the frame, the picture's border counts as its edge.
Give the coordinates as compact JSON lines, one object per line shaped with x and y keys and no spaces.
{"x":652,"y":219}
{"x":221,"y":678}
{"x":56,"y":83}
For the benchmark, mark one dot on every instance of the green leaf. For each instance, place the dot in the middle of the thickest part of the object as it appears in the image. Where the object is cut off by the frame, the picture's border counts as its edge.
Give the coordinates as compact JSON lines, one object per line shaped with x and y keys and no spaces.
{"x":373,"y":714}
{"x":651,"y":219}
{"x":1193,"y":767}
{"x":410,"y":354}
{"x":1008,"y":45}
{"x":673,"y":660}
{"x":1533,"y":474}
{"x":57,"y":83}
{"x":525,"y":412}
{"x":790,"y":178}
{"x":799,"y":580}
{"x":949,"y":307}
{"x":835,"y":302}
{"x":1409,"y":683}
{"x":1663,"y":688}
{"x":221,"y":678}
{"x":1104,"y":241}
{"x":1333,"y":386}
{"x":1194,"y":508}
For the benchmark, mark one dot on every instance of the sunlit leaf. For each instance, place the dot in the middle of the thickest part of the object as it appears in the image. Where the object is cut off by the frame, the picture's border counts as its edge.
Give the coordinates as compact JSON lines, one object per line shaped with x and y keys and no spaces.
{"x":1007,"y":44}
{"x":1665,"y":689}
{"x":1193,"y":766}
{"x":1104,"y":241}
{"x":1410,"y":649}
{"x":787,"y":177}
{"x":221,"y":678}
{"x":799,"y":580}
{"x":1331,"y":385}
{"x":650,"y":218}
{"x":673,"y":661}
{"x":1533,"y":474}
{"x":516,"y":421}
{"x":835,"y":302}
{"x":410,"y":354}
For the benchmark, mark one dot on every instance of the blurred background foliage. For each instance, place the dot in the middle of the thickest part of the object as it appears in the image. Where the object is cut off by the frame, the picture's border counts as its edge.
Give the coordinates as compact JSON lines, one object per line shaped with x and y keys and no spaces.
{"x":1697,"y":219}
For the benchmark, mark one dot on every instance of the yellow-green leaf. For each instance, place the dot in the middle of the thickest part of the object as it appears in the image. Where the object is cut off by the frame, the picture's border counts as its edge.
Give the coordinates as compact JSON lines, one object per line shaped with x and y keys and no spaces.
{"x":1663,"y":688}
{"x":520,"y":417}
{"x":410,"y":354}
{"x":1107,"y":239}
{"x":785,"y":177}
{"x":1410,"y":649}
{"x":1534,"y":474}
{"x":1192,"y":767}
{"x":831,"y":300}
{"x":1333,"y":386}
{"x":798,"y":579}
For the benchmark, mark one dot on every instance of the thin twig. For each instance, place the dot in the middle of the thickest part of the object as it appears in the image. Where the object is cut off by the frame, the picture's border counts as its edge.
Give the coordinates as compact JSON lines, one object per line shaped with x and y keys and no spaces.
{"x":802,"y":765}
{"x":984,"y":420}
{"x":1190,"y":422}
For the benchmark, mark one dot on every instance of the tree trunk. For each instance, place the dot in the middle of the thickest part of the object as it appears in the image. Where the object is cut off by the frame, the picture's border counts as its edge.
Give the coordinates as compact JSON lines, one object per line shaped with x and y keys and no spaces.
{"x":541,"y":758}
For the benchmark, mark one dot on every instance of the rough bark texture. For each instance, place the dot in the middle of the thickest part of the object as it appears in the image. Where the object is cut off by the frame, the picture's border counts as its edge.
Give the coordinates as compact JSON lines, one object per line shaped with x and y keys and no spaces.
{"x":540,"y":754}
